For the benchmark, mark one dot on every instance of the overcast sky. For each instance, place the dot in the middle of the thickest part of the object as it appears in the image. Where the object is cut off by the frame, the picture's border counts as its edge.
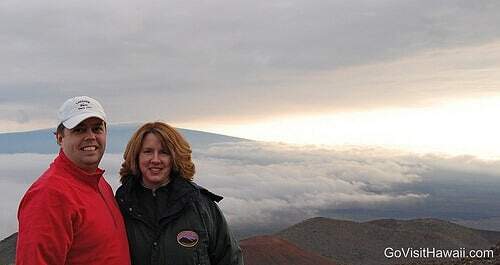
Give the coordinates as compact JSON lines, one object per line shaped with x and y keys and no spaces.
{"x":230,"y":66}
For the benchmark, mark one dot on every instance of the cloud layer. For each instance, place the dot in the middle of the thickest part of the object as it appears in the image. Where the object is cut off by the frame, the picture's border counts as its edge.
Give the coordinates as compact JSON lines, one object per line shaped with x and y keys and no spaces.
{"x":273,"y":185}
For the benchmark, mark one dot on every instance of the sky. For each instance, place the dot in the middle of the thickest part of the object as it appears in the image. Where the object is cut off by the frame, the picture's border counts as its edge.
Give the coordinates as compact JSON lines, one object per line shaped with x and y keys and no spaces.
{"x":422,"y":76}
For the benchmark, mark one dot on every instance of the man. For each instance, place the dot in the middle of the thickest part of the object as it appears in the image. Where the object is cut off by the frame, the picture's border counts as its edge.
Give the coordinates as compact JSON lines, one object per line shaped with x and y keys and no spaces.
{"x":69,"y":215}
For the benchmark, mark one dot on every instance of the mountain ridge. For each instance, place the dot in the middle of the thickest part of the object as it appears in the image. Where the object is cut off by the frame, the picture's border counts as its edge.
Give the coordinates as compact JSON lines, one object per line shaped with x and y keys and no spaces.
{"x":42,"y":141}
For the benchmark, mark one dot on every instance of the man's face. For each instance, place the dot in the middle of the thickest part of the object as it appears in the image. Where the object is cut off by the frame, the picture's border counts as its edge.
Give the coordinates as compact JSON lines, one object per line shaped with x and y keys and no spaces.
{"x":84,"y":145}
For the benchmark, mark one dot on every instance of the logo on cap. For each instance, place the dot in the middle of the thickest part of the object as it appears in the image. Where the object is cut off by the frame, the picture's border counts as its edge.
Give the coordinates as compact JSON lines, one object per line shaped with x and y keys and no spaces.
{"x":187,"y":238}
{"x":83,"y":104}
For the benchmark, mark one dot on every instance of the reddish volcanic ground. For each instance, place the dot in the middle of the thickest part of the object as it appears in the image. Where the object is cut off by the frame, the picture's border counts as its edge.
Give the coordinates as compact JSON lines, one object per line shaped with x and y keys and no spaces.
{"x":271,"y":250}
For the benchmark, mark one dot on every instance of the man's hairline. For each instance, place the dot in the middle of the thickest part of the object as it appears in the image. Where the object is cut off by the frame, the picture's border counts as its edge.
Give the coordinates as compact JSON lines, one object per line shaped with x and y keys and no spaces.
{"x":61,"y":126}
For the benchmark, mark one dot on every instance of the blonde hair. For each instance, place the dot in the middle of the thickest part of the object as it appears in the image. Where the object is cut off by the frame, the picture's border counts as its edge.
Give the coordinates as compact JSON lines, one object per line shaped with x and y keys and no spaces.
{"x":170,"y":139}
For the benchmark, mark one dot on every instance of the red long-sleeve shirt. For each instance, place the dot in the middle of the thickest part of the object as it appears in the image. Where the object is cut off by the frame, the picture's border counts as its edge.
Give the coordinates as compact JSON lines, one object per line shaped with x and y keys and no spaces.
{"x":70,"y":217}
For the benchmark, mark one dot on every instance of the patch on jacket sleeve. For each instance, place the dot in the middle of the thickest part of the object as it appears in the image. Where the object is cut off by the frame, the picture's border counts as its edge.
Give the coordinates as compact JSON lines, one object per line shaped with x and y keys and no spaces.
{"x":187,"y":238}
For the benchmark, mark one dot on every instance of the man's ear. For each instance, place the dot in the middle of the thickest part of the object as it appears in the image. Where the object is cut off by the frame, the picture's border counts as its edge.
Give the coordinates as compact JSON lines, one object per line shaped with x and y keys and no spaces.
{"x":59,"y":138}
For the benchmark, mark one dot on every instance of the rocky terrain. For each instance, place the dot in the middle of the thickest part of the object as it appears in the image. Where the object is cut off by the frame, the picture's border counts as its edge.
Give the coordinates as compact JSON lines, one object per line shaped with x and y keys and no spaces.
{"x":272,"y":250}
{"x":348,"y":242}
{"x":323,"y":241}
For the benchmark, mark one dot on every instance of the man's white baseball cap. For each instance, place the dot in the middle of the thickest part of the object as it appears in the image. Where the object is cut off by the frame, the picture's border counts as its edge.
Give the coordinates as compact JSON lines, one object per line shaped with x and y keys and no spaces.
{"x":77,"y":109}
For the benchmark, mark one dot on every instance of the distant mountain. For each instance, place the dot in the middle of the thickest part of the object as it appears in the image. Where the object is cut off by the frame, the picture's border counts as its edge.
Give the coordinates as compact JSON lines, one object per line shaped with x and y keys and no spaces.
{"x":272,"y":250}
{"x":43,"y":141}
{"x":348,"y":242}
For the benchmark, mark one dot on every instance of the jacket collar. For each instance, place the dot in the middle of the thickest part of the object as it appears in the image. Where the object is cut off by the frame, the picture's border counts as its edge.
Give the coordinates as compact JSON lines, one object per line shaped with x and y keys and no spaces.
{"x":177,"y":188}
{"x":63,"y":162}
{"x":179,"y":193}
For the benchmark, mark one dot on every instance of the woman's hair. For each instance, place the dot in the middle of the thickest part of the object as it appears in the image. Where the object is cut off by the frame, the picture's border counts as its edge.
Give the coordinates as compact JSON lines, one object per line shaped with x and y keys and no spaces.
{"x":178,"y":148}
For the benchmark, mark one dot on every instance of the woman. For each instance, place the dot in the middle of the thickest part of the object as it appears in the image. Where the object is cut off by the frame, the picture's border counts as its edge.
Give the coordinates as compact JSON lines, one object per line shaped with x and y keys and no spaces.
{"x":170,"y":219}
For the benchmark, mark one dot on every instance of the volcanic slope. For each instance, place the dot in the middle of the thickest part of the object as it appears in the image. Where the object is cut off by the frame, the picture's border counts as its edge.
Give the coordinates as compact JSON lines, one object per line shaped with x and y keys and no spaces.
{"x":272,"y":250}
{"x":348,"y":242}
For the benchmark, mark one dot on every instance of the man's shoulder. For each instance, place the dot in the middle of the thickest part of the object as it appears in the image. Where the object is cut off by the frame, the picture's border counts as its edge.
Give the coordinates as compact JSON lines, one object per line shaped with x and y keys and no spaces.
{"x":46,"y":190}
{"x":52,"y":177}
{"x":51,"y":182}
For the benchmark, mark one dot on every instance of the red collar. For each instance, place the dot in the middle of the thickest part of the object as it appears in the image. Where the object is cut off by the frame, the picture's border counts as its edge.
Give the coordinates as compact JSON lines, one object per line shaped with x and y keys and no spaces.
{"x":92,"y":178}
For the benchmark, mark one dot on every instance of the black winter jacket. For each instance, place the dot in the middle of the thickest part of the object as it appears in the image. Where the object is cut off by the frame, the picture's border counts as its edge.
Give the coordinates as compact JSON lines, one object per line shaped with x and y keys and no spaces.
{"x":178,"y":224}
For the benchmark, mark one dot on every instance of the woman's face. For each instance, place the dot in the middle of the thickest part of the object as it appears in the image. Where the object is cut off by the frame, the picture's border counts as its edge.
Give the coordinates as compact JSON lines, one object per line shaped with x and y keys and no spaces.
{"x":155,"y":162}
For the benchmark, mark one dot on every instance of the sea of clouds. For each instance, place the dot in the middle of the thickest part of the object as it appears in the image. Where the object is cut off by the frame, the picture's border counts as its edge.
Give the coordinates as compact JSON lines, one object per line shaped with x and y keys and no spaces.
{"x":268,"y":186}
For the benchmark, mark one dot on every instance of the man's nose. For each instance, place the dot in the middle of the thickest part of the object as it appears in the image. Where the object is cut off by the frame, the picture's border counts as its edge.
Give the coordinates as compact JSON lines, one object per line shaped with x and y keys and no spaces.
{"x":89,"y":134}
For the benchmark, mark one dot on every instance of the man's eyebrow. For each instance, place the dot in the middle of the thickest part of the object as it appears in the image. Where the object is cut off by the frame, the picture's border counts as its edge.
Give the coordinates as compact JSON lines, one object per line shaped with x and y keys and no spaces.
{"x":89,"y":125}
{"x":96,"y":124}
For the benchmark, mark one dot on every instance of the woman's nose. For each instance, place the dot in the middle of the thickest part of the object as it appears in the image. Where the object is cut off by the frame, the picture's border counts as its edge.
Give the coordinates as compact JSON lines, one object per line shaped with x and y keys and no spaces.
{"x":156,"y":157}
